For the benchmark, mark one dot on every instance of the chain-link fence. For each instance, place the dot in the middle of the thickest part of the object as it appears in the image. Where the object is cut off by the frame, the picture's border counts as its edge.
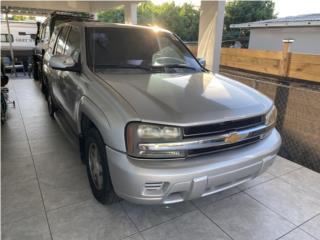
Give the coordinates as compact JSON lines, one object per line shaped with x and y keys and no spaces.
{"x":298,"y":105}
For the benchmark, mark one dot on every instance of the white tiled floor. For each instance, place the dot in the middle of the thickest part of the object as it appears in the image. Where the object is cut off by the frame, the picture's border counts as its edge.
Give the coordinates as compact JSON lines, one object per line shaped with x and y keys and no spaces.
{"x":45,"y":193}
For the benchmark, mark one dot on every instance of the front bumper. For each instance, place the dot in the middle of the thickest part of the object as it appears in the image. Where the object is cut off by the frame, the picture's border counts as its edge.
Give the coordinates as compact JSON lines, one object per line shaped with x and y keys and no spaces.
{"x":171,"y":181}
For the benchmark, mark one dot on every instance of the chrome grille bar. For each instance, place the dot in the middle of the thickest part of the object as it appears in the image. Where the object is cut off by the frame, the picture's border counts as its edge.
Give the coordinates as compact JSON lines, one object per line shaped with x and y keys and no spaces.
{"x":207,"y":142}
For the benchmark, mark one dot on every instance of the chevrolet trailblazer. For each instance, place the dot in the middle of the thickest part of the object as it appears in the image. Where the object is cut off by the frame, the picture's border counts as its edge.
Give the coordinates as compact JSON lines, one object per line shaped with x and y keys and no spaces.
{"x":154,"y":126}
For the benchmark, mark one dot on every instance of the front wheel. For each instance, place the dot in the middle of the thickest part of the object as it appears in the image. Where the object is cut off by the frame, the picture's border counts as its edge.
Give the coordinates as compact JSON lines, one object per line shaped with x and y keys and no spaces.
{"x":35,"y":70}
{"x":44,"y":86}
{"x":97,"y":168}
{"x":3,"y":109}
{"x":51,"y":105}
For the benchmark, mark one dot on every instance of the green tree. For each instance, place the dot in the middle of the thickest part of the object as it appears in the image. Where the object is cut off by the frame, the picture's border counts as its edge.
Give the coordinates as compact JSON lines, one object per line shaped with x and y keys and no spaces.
{"x":112,"y":16}
{"x":22,"y":18}
{"x":182,"y":20}
{"x":245,"y":11}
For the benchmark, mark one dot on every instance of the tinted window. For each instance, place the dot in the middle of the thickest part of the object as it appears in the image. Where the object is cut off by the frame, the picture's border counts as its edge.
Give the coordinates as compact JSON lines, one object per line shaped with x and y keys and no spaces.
{"x":109,"y":48}
{"x":72,"y":47}
{"x":61,"y":41}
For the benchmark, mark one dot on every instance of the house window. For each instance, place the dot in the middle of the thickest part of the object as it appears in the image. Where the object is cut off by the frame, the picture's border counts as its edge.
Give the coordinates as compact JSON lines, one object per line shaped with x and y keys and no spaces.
{"x":6,"y":37}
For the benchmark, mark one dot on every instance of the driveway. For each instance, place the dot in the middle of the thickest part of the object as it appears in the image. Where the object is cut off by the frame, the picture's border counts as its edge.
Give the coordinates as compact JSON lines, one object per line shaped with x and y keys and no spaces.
{"x":45,"y":193}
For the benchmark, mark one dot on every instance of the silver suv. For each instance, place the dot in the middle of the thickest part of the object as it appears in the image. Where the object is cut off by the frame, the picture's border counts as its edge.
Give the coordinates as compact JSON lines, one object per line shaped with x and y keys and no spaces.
{"x":154,"y":126}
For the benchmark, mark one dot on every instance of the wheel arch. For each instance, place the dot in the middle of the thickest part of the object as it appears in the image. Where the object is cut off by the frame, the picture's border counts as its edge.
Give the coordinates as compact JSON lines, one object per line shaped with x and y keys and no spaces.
{"x":90,"y":115}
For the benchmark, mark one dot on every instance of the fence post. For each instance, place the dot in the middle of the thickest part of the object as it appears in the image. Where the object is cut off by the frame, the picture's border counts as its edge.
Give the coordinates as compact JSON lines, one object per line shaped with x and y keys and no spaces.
{"x":285,"y":59}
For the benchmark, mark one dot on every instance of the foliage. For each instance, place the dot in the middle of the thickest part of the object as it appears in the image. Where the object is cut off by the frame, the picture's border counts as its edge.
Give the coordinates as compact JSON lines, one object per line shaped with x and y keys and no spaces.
{"x":22,"y":18}
{"x":115,"y":15}
{"x":184,"y":19}
{"x":245,"y":11}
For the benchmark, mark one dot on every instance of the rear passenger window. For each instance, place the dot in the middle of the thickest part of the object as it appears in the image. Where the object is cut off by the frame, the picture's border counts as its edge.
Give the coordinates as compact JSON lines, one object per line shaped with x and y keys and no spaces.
{"x":61,"y":41}
{"x":72,"y":47}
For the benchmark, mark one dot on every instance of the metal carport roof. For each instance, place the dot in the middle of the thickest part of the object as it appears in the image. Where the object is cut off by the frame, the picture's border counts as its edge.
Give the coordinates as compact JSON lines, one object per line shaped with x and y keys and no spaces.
{"x":44,"y":7}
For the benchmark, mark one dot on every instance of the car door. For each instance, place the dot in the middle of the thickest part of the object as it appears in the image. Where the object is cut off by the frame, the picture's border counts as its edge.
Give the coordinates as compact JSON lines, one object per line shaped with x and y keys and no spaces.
{"x":70,"y":86}
{"x":55,"y":76}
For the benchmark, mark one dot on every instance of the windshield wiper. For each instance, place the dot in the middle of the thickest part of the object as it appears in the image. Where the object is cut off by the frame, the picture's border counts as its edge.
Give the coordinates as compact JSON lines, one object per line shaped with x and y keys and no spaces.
{"x":129,"y":66}
{"x":175,"y":66}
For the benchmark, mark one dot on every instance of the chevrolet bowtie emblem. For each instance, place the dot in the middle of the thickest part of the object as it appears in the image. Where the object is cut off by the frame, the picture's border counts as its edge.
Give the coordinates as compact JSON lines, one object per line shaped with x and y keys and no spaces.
{"x":233,"y":138}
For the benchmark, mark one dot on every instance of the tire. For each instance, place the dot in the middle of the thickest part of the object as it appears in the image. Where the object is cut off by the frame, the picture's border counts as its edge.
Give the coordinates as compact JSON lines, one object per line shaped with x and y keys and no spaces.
{"x":3,"y":109}
{"x":44,"y":87}
{"x":51,"y":105}
{"x":103,"y":189}
{"x":35,"y":70}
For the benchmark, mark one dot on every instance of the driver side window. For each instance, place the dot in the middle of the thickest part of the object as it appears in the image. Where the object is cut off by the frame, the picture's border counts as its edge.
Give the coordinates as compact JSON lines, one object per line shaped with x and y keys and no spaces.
{"x":53,"y":39}
{"x":72,"y":47}
{"x":61,"y":41}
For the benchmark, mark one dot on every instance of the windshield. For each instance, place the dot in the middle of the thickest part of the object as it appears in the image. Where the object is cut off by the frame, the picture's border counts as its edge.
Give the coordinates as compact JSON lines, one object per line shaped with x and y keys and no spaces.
{"x":131,"y":49}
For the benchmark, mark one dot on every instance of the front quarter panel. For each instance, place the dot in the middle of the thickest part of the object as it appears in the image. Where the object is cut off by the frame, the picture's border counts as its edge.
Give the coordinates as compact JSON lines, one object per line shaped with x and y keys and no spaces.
{"x":107,"y":110}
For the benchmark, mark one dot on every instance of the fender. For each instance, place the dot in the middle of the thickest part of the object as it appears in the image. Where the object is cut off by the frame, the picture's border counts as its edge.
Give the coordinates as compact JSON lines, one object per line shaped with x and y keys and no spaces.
{"x":95,"y":114}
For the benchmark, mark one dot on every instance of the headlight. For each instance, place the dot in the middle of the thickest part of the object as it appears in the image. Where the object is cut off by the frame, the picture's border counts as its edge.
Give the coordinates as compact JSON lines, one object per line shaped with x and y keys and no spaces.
{"x":137,"y":133}
{"x":271,"y":117}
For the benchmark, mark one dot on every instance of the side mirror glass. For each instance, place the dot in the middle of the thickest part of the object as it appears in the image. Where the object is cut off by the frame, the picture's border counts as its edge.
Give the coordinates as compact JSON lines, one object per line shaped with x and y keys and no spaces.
{"x":64,"y":63}
{"x":202,"y":61}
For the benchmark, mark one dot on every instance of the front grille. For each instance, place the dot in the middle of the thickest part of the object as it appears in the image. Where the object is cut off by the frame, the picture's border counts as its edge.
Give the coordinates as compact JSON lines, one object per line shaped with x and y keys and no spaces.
{"x":220,"y":128}
{"x":209,"y":150}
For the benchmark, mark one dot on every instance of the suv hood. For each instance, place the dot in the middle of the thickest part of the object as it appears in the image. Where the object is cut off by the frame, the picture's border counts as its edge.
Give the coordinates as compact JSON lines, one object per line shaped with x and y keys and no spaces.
{"x":187,"y":99}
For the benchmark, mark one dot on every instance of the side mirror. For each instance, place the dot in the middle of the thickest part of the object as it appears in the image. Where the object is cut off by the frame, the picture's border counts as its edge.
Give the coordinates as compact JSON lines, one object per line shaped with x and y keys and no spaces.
{"x":202,"y":61}
{"x":64,"y":63}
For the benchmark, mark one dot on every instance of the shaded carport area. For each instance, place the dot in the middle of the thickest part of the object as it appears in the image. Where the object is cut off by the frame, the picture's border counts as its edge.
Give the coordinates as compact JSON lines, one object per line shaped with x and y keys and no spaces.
{"x":46,"y":195}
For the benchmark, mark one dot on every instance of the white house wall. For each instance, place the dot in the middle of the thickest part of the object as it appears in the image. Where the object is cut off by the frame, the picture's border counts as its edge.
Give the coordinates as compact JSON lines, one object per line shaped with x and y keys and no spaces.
{"x":307,"y":39}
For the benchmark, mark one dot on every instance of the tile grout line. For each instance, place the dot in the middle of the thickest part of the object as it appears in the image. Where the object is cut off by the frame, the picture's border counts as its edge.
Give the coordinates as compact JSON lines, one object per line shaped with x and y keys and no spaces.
{"x":287,"y":233}
{"x":298,"y":227}
{"x":255,"y":185}
{"x":272,"y":210}
{"x":69,"y":205}
{"x":125,"y":212}
{"x":199,"y":209}
{"x":279,"y":178}
{"x":41,"y":194}
{"x":158,"y":224}
{"x":291,"y":171}
{"x":318,"y":215}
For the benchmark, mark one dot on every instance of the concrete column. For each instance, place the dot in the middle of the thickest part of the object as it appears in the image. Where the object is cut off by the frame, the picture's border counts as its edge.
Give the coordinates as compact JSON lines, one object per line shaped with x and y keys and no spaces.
{"x":10,"y":44}
{"x":130,"y":13}
{"x":210,"y":33}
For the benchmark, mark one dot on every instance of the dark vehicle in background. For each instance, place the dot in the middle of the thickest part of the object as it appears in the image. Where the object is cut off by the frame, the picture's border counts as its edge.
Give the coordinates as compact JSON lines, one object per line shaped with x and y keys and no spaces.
{"x":44,"y":33}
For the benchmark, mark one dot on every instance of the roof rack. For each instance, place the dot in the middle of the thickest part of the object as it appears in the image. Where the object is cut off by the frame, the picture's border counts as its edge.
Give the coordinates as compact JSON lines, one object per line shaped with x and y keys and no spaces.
{"x":74,"y":14}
